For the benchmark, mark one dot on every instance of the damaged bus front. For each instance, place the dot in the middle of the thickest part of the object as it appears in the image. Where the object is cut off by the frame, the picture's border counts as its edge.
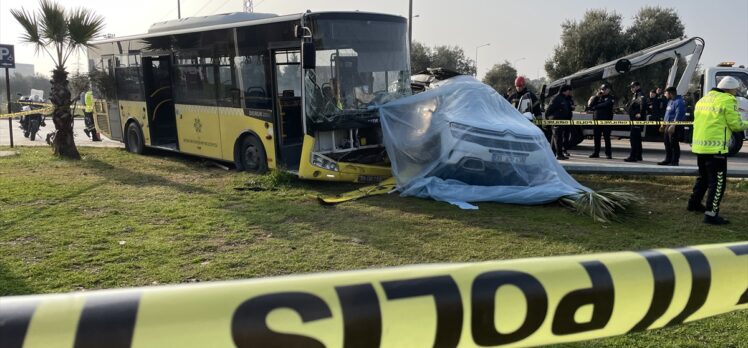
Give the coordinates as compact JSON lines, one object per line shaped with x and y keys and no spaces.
{"x":352,"y":63}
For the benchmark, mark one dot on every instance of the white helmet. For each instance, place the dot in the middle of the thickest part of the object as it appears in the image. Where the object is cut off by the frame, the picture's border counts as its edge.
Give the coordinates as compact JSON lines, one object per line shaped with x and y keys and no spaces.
{"x":728,"y":82}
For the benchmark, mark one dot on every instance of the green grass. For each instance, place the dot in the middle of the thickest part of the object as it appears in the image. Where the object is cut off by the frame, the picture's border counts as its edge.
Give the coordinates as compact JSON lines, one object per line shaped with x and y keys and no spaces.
{"x":62,"y":225}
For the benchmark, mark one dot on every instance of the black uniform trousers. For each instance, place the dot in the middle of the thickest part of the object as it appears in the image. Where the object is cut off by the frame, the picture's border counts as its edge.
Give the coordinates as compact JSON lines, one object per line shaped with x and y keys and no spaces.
{"x":635,"y":138}
{"x":88,"y":120}
{"x":602,"y":132}
{"x":558,"y":140}
{"x":712,"y":181}
{"x":672,"y":145}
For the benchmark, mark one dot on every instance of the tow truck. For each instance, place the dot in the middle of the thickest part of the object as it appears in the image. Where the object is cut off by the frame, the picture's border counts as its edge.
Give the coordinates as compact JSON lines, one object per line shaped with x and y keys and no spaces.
{"x":686,"y":50}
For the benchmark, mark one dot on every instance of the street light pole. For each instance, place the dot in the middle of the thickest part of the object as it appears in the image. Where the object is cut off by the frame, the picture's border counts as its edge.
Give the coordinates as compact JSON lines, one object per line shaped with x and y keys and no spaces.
{"x":179,"y":9}
{"x":410,"y":26}
{"x":476,"y":57}
{"x":514,"y":63}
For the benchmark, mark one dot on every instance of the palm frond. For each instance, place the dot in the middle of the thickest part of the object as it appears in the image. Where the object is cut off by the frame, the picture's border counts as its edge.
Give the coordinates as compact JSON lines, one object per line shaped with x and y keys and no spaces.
{"x":30,"y":26}
{"x":603,"y":205}
{"x":83,"y":27}
{"x":53,"y":24}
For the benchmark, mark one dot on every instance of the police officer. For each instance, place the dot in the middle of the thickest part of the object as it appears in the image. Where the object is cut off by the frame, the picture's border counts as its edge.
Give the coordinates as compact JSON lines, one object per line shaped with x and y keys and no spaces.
{"x":522,"y":93}
{"x":635,"y":108}
{"x":88,"y":117}
{"x":560,"y":109}
{"x":715,"y":117}
{"x":656,"y":105}
{"x":601,"y":106}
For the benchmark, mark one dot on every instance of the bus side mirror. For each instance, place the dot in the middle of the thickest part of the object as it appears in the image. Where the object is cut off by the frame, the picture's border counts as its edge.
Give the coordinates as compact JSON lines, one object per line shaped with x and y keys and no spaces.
{"x":309,"y":56}
{"x":302,"y":32}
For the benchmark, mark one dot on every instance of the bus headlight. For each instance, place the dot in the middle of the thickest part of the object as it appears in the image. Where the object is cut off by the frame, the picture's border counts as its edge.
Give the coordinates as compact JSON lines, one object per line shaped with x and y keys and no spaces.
{"x":324,"y":162}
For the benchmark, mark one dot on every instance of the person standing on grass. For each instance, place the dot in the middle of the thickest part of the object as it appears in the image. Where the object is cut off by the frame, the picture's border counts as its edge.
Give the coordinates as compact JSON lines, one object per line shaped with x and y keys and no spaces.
{"x":675,"y":112}
{"x":715,"y":118}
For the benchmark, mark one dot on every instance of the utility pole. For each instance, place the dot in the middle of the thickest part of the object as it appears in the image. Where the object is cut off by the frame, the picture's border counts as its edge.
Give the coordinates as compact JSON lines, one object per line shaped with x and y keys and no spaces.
{"x":179,"y":9}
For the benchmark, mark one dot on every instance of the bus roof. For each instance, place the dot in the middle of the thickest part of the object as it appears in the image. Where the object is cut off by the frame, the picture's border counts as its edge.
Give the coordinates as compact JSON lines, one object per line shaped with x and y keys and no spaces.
{"x":216,"y":22}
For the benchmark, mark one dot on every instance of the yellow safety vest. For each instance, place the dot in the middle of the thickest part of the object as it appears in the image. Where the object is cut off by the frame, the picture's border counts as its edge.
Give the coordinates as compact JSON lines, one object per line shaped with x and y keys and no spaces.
{"x":715,"y":118}
{"x":89,"y":101}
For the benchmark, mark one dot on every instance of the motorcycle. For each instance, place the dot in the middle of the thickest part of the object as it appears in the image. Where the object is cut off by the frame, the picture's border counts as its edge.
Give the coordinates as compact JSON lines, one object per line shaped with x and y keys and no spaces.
{"x":31,"y":123}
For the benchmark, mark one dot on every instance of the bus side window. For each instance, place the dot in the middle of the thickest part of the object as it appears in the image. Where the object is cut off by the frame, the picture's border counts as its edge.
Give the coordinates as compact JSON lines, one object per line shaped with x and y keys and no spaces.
{"x":228,"y":89}
{"x":253,"y":76}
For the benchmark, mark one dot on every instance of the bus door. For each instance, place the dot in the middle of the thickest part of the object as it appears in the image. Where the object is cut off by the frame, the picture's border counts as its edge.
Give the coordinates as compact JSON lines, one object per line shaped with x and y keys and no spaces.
{"x":110,"y":105}
{"x":289,"y":129}
{"x":157,"y":76}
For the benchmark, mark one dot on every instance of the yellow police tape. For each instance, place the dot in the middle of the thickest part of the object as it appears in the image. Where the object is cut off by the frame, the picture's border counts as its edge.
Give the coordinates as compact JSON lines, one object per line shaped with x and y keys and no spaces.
{"x":35,"y":104}
{"x":23,"y":113}
{"x":506,"y":303}
{"x":384,"y":187}
{"x":609,"y":123}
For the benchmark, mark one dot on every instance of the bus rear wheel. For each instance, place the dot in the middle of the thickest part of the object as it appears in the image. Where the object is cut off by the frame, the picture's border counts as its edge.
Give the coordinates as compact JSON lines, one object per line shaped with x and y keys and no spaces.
{"x":134,"y":141}
{"x":252,"y":156}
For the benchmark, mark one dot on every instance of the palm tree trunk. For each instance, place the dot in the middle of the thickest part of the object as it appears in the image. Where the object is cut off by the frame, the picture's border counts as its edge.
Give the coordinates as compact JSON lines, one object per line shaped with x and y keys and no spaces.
{"x":64,"y":143}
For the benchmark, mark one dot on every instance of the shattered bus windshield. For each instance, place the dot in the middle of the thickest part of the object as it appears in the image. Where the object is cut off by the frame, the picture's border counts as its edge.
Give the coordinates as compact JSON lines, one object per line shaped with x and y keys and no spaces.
{"x":359,"y":64}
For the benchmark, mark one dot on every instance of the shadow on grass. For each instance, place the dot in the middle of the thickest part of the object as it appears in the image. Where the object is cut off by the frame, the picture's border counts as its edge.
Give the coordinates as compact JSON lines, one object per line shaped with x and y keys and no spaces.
{"x":129,"y":177}
{"x":31,"y":213}
{"x":661,"y":222}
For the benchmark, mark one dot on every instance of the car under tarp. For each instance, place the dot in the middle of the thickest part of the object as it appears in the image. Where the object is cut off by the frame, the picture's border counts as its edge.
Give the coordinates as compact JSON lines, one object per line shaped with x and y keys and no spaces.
{"x":461,"y":142}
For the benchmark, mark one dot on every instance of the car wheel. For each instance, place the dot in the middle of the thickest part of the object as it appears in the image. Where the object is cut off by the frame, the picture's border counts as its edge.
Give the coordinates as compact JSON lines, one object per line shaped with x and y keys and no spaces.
{"x":134,"y":141}
{"x":252,"y":155}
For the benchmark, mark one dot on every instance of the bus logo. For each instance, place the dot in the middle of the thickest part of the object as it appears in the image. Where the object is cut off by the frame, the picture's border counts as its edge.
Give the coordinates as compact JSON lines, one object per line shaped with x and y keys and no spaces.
{"x":198,"y":126}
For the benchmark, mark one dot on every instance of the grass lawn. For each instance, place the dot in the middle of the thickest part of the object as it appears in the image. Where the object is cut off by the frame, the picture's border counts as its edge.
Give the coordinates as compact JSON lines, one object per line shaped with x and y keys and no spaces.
{"x":120,"y":220}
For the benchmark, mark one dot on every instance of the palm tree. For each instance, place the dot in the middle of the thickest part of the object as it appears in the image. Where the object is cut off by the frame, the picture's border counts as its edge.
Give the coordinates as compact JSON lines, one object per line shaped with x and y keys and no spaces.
{"x":59,"y":33}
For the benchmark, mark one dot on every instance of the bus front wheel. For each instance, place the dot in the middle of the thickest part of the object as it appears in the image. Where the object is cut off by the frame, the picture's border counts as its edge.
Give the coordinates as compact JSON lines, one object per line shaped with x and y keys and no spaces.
{"x":252,"y":155}
{"x":134,"y":142}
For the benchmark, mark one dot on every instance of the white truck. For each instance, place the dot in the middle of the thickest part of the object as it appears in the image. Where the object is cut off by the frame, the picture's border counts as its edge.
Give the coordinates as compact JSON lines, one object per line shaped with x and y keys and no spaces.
{"x":679,"y":51}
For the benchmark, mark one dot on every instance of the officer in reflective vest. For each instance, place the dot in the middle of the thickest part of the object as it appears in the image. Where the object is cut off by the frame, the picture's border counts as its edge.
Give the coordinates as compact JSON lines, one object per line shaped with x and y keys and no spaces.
{"x":88,"y":117}
{"x":715,"y":118}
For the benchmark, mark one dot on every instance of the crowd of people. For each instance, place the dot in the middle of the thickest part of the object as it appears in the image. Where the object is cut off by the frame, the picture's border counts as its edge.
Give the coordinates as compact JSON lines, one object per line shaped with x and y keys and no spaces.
{"x":714,"y":115}
{"x":659,"y":105}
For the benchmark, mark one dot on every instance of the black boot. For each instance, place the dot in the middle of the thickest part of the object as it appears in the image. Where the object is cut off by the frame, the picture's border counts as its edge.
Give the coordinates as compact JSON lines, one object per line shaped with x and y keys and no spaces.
{"x":696,"y":207}
{"x":715,"y":220}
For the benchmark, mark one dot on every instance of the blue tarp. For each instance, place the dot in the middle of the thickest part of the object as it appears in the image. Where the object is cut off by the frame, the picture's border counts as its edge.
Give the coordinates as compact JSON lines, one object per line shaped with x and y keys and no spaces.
{"x":462,"y":142}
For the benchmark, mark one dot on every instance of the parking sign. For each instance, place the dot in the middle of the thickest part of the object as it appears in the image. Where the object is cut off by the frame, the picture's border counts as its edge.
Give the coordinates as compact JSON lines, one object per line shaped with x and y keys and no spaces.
{"x":7,"y":57}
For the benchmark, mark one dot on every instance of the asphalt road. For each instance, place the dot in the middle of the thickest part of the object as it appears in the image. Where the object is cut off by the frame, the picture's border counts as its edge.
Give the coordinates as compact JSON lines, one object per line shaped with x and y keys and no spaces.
{"x":80,"y":137}
{"x":653,"y":151}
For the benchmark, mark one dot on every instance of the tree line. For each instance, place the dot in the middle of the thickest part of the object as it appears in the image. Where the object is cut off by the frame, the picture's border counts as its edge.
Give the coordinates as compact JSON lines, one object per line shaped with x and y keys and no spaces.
{"x":598,"y":37}
{"x":23,"y":84}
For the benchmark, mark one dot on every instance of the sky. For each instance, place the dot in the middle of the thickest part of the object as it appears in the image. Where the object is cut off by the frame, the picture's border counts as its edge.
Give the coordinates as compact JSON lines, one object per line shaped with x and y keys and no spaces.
{"x":521,"y":32}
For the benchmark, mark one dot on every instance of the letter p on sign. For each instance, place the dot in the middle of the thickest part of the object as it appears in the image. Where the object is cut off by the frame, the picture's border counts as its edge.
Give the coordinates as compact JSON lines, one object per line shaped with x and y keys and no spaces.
{"x":7,"y":59}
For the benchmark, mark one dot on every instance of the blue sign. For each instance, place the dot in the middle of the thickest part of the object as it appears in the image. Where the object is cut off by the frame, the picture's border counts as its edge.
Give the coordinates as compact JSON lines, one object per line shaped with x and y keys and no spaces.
{"x":7,"y":57}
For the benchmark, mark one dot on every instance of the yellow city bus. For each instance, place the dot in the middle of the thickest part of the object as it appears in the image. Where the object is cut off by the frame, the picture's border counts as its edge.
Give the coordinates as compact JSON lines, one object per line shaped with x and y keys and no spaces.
{"x":292,"y":92}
